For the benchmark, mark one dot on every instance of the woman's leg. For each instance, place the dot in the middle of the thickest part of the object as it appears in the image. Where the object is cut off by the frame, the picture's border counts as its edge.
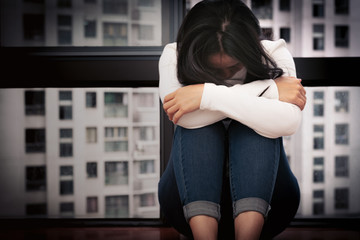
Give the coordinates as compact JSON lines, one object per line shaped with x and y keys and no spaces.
{"x":253,"y":166}
{"x":285,"y":200}
{"x":197,"y":163}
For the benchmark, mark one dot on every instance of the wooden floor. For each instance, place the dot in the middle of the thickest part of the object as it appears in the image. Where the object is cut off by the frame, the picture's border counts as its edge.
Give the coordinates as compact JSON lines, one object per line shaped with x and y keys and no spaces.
{"x":159,"y":233}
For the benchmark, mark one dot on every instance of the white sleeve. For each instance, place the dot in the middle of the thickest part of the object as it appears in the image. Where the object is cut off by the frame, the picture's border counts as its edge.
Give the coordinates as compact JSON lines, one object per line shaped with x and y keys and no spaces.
{"x":169,"y":83}
{"x":266,"y":115}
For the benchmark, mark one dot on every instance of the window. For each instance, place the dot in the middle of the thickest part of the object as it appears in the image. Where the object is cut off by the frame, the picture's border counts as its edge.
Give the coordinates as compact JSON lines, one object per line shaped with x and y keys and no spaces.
{"x":117,"y":206}
{"x":66,"y":180}
{"x":115,"y":34}
{"x":268,"y":33}
{"x":91,"y":99}
{"x":341,"y":198}
{"x":91,"y":204}
{"x":318,"y":137}
{"x":67,"y":209}
{"x":318,"y":8}
{"x":65,"y":108}
{"x":34,"y":102}
{"x":262,"y":8}
{"x":34,"y":28}
{"x":146,"y":166}
{"x":91,"y":135}
{"x":116,"y":104}
{"x":66,"y":142}
{"x":342,"y":134}
{"x":116,"y":139}
{"x":64,"y":30}
{"x":285,"y":5}
{"x":147,"y":200}
{"x":285,"y":34}
{"x":115,"y":7}
{"x":36,"y":178}
{"x":342,"y":36}
{"x":318,"y":104}
{"x":318,"y":172}
{"x":342,"y":101}
{"x":35,"y":141}
{"x":116,"y":173}
{"x":145,"y":32}
{"x":342,"y":166}
{"x":318,"y":37}
{"x":318,"y":202}
{"x":91,"y":169}
{"x":318,"y":176}
{"x":342,"y":7}
{"x":90,"y":28}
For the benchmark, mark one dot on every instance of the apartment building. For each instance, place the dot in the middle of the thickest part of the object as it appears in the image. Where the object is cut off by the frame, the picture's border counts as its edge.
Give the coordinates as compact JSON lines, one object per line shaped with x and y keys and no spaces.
{"x":79,"y":152}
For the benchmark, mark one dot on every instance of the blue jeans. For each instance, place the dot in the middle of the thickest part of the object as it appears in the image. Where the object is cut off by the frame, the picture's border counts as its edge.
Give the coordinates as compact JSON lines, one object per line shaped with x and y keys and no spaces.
{"x":222,"y":171}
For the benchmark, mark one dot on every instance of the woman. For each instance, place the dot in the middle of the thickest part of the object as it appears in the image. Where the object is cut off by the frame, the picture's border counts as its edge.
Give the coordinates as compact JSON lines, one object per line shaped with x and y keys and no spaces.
{"x":232,"y":96}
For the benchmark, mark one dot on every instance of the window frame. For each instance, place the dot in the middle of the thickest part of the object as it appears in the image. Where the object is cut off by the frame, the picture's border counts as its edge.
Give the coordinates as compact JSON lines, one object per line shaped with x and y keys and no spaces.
{"x":60,"y":62}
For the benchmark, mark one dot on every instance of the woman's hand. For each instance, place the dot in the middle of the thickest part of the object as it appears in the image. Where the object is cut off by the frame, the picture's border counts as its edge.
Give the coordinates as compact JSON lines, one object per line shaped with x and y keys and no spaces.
{"x":184,"y":100}
{"x":291,"y":91}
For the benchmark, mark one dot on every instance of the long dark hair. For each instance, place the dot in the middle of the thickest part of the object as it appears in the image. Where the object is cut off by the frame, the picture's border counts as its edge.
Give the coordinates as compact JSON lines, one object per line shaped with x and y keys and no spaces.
{"x":227,"y":26}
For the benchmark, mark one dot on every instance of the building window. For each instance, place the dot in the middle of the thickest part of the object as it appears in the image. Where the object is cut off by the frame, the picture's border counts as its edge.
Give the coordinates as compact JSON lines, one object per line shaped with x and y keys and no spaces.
{"x":341,"y":198}
{"x":36,"y":178}
{"x":66,"y":180}
{"x":65,"y":108}
{"x":66,"y":142}
{"x":318,"y":176}
{"x":91,"y":204}
{"x":285,"y":5}
{"x":318,"y":37}
{"x":342,"y":36}
{"x":342,"y":101}
{"x":64,"y":3}
{"x":318,"y":137}
{"x":285,"y":34}
{"x":34,"y":103}
{"x":318,"y":202}
{"x":115,"y":7}
{"x":117,"y":206}
{"x":36,"y":209}
{"x":90,"y":28}
{"x":268,"y":33}
{"x":342,"y":7}
{"x":91,"y":134}
{"x":318,"y":104}
{"x":67,"y":209}
{"x":319,"y":161}
{"x":147,"y":200}
{"x":35,"y":141}
{"x":342,"y":134}
{"x":116,"y":173}
{"x":116,"y":104}
{"x":342,"y":166}
{"x":262,"y":8}
{"x":91,"y":99}
{"x":146,"y":166}
{"x":91,"y":169}
{"x":116,"y":139}
{"x":318,"y":8}
{"x":115,"y":34}
{"x":64,"y":30}
{"x":34,"y":27}
{"x":145,"y":32}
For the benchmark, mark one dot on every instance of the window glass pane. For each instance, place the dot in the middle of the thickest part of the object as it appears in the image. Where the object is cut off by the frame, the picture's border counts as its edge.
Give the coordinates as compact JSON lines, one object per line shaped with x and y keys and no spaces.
{"x":85,"y":23}
{"x":325,"y":152}
{"x":91,"y":165}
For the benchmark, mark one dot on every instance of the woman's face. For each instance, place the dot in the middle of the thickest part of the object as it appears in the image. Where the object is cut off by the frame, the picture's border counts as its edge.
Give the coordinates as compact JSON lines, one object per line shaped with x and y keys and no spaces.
{"x":224,"y":66}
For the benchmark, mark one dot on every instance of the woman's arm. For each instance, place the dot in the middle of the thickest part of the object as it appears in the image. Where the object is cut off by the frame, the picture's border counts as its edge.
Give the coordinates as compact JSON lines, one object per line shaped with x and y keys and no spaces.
{"x":169,"y":84}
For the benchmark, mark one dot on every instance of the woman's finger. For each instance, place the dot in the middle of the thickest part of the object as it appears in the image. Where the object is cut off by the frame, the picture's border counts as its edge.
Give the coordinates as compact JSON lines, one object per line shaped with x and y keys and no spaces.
{"x":169,"y":97}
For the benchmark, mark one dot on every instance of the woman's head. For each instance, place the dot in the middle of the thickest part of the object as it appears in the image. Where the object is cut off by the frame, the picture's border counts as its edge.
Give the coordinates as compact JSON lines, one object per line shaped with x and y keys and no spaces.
{"x":226,"y":32}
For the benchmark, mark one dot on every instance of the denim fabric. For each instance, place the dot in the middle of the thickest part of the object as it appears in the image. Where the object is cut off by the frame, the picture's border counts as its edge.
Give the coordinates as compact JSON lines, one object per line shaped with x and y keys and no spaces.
{"x":209,"y":165}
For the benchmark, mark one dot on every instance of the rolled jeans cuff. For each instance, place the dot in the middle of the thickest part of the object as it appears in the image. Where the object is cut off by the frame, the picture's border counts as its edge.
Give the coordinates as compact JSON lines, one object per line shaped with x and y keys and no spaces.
{"x":251,"y":204}
{"x":202,"y":208}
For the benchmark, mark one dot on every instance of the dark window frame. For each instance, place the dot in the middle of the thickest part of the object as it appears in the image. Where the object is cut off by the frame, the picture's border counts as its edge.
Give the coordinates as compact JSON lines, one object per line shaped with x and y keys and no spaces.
{"x":37,"y":63}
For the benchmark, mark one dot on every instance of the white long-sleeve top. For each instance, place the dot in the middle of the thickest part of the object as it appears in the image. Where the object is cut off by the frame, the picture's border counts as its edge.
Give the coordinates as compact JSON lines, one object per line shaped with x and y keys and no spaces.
{"x":265,"y":114}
